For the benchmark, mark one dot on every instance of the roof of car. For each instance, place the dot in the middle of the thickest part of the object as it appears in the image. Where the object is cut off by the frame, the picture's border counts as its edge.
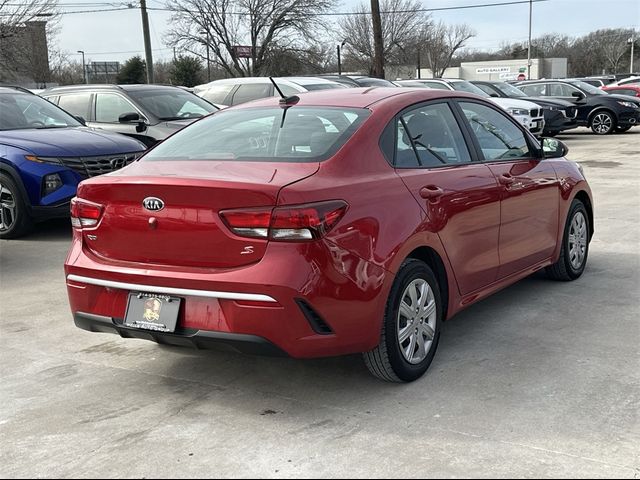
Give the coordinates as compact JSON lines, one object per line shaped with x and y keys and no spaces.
{"x":14,"y":89}
{"x":143,"y":86}
{"x":361,"y":97}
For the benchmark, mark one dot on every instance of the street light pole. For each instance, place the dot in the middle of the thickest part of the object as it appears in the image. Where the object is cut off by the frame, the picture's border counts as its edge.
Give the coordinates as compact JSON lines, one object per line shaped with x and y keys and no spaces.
{"x":339,"y":57}
{"x":206,"y":32}
{"x":84,"y":67}
{"x":529,"y":49}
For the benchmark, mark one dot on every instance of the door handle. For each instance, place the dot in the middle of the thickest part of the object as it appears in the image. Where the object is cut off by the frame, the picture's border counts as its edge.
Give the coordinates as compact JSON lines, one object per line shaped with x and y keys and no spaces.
{"x":506,"y":179}
{"x":431,"y":192}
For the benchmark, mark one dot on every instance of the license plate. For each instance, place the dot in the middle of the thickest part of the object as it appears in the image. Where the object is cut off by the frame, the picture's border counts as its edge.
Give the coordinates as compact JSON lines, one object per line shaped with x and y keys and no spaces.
{"x":151,"y":311}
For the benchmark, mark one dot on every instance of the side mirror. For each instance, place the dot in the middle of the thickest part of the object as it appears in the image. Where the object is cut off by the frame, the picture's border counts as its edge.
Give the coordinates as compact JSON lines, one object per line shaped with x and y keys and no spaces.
{"x":80,"y":119}
{"x":553,"y":148}
{"x":495,"y":95}
{"x":129,"y":117}
{"x":578,"y":95}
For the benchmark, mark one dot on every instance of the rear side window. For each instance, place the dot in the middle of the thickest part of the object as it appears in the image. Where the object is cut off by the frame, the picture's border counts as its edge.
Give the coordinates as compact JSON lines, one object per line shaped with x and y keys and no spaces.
{"x":294,"y":134}
{"x":536,"y":90}
{"x":429,"y":136}
{"x":497,"y":135}
{"x":76,"y":104}
{"x":251,"y":91}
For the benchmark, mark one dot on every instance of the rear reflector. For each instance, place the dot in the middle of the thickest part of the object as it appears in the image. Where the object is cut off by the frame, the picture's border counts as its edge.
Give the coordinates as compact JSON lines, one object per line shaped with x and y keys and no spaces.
{"x":291,"y":223}
{"x":85,"y":213}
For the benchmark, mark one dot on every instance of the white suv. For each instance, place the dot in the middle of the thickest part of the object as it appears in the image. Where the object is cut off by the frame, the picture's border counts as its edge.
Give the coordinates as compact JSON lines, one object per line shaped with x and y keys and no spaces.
{"x":529,"y":114}
{"x":233,"y":91}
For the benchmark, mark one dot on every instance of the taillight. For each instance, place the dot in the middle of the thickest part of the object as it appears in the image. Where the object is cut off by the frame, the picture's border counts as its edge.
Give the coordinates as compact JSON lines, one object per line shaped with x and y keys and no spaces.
{"x":289,"y":223}
{"x":85,"y":213}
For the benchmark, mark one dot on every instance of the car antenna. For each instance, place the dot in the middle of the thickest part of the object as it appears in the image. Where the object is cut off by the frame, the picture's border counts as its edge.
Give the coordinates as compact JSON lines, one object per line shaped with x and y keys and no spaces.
{"x":284,"y":100}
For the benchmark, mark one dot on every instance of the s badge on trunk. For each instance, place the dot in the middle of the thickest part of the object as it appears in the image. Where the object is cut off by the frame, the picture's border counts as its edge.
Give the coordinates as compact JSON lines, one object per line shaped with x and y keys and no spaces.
{"x":153,"y":204}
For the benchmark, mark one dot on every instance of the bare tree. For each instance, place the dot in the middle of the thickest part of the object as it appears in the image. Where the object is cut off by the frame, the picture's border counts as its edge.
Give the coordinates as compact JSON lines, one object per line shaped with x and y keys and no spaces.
{"x":441,"y":42}
{"x":402,"y":23}
{"x":223,"y":25}
{"x":22,"y":49}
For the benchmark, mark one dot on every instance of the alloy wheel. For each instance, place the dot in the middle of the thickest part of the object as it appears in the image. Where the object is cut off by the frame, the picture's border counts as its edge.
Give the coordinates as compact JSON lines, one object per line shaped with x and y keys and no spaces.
{"x":602,"y":123}
{"x":416,"y":323}
{"x":7,"y":208}
{"x":578,"y":240}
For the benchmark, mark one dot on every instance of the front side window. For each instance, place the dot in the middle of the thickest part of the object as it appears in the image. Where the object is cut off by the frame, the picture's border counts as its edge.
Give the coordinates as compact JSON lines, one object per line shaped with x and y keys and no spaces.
{"x":429,"y":136}
{"x":498,"y":136}
{"x":110,"y":106}
{"x":535,"y":90}
{"x":273,"y":134}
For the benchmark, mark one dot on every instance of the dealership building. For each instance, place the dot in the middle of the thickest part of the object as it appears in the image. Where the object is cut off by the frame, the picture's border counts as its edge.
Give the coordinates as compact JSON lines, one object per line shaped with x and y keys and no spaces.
{"x":504,"y":70}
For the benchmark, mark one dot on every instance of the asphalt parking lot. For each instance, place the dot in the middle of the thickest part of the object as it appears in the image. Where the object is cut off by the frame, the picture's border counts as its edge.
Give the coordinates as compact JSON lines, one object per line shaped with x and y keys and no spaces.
{"x":540,"y":380}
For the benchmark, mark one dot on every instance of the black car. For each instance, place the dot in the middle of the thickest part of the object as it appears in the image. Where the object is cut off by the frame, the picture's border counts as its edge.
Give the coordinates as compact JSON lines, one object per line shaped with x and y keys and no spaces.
{"x":359,"y":80}
{"x":149,"y":113}
{"x":602,"y":112}
{"x":559,"y":115}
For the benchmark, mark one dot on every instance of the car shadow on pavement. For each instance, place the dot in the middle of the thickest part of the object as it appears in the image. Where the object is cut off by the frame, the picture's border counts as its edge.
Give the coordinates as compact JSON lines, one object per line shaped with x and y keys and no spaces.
{"x":502,"y":336}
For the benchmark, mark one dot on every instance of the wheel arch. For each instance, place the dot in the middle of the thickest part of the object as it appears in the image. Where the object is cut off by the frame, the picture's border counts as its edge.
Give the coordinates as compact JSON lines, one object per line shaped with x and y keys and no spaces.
{"x":597,"y":110}
{"x":12,"y":173}
{"x":433,"y":259}
{"x":583,"y":196}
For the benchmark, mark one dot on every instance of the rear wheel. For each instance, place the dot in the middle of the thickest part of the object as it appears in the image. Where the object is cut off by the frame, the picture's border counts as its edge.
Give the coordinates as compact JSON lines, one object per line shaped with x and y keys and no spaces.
{"x":575,"y":245}
{"x":14,"y":218}
{"x":603,"y":123}
{"x":411,"y":326}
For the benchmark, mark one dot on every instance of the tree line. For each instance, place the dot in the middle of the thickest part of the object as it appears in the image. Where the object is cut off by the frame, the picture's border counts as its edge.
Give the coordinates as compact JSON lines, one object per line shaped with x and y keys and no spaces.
{"x":299,"y":37}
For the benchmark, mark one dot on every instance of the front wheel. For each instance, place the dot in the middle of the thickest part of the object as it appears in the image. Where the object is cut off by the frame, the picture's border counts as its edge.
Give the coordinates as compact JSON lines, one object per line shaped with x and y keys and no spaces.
{"x":575,"y":245}
{"x":14,"y":218}
{"x":603,"y":123}
{"x":411,"y":326}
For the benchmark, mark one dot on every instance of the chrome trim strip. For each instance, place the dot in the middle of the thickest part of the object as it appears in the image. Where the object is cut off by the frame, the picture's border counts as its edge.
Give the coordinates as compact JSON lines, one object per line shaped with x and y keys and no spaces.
{"x":252,"y":297}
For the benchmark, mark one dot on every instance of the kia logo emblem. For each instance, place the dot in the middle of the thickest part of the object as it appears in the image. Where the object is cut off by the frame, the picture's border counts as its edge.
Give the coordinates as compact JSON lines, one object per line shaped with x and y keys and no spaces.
{"x":152,"y":203}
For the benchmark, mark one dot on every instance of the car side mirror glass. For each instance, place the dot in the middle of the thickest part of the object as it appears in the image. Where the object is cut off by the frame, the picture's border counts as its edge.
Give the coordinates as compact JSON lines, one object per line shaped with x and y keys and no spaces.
{"x":495,"y":95}
{"x":578,"y":95}
{"x":129,"y":117}
{"x":80,"y":119}
{"x":553,"y":148}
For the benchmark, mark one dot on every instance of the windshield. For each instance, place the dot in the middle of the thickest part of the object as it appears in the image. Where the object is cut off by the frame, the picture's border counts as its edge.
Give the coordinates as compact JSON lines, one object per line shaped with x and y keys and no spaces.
{"x":590,"y":89}
{"x":20,"y":111}
{"x":274,"y":134}
{"x":463,"y":86}
{"x":509,"y":90}
{"x":172,"y":103}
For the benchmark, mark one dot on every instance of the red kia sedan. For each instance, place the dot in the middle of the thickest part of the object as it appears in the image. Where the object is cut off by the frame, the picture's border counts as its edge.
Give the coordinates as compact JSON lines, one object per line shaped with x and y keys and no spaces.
{"x":337,"y":222}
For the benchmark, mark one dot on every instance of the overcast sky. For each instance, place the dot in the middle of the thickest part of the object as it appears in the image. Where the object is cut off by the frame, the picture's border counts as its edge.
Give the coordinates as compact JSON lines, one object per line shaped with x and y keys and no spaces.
{"x":116,"y":36}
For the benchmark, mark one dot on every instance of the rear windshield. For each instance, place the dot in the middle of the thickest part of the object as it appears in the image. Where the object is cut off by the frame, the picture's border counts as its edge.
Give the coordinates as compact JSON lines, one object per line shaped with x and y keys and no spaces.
{"x":274,"y":134}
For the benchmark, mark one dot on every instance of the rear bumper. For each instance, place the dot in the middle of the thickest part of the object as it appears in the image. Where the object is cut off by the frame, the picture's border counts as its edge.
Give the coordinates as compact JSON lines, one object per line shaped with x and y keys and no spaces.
{"x":307,"y":300}
{"x":199,"y":339}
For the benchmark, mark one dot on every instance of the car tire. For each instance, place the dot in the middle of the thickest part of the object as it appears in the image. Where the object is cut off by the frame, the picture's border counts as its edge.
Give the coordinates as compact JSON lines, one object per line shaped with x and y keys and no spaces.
{"x":623,"y":129}
{"x":14,"y":217}
{"x":400,"y":356}
{"x":575,"y":245}
{"x":603,"y":122}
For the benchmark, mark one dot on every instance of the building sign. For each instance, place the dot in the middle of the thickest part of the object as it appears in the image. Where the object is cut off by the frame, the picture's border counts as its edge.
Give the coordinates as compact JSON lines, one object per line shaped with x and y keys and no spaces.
{"x":242,"y":51}
{"x":493,"y":70}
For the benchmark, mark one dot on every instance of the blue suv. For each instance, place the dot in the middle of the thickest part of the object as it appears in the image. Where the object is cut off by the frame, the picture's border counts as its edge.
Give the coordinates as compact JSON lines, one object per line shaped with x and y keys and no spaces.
{"x":44,"y":154}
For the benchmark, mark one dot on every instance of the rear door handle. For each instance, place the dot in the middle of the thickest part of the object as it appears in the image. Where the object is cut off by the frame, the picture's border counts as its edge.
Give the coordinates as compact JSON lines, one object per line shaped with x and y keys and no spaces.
{"x":506,"y":179}
{"x":431,"y":192}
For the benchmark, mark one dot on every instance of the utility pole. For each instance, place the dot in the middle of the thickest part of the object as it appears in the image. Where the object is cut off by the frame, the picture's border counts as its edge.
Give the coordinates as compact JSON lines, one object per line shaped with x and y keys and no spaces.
{"x":84,"y":67}
{"x":419,"y":67}
{"x":378,"y":47}
{"x":147,"y":40}
{"x":339,"y":63}
{"x":529,"y":49}
{"x":206,"y":33}
{"x":633,"y":43}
